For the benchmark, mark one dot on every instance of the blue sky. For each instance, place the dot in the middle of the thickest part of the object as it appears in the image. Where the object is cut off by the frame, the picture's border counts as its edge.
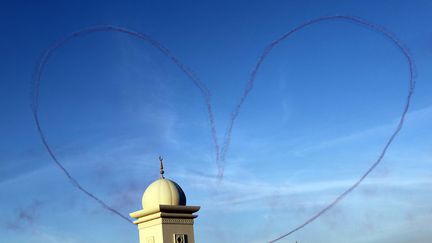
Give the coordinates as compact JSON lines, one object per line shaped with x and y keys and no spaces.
{"x":322,"y":107}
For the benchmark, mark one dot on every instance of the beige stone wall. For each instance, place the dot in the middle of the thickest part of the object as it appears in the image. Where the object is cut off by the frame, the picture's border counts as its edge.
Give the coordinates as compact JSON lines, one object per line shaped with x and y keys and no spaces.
{"x":151,"y":232}
{"x":183,"y":227}
{"x":163,"y":230}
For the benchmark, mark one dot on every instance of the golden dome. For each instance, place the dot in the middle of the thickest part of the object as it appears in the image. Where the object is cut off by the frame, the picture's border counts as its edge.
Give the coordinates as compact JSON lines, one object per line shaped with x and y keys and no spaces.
{"x":163,"y":192}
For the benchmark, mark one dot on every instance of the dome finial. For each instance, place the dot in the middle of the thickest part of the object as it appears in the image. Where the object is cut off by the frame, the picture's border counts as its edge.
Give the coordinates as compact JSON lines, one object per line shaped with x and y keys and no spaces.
{"x":161,"y":167}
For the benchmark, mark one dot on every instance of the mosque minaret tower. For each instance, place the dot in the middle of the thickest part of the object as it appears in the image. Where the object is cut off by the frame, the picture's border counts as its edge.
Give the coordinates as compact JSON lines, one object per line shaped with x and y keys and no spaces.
{"x":165,"y":218}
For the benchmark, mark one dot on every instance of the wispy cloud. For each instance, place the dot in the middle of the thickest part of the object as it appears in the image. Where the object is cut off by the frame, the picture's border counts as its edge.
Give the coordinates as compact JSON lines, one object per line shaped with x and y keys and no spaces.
{"x":25,"y":217}
{"x":412,"y":117}
{"x":239,"y":191}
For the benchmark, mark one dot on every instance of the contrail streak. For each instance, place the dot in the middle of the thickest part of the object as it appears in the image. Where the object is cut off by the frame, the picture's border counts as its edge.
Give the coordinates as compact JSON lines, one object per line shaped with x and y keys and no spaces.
{"x":399,"y":126}
{"x":37,"y":75}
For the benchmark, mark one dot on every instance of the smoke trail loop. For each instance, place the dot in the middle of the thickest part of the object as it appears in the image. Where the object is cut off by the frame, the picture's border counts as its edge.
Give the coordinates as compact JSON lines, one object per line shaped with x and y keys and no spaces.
{"x":36,"y":80}
{"x":379,"y":29}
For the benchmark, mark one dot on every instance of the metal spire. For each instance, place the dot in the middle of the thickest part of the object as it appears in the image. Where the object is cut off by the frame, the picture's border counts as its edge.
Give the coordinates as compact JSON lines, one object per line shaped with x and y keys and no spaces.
{"x":161,"y":167}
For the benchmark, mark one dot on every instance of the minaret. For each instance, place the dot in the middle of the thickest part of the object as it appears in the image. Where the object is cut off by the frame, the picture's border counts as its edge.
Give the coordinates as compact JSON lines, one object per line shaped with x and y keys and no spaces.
{"x":165,"y":218}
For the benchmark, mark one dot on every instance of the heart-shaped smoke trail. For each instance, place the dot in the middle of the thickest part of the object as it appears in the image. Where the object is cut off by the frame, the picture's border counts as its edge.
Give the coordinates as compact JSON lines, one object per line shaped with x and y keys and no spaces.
{"x":220,"y":153}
